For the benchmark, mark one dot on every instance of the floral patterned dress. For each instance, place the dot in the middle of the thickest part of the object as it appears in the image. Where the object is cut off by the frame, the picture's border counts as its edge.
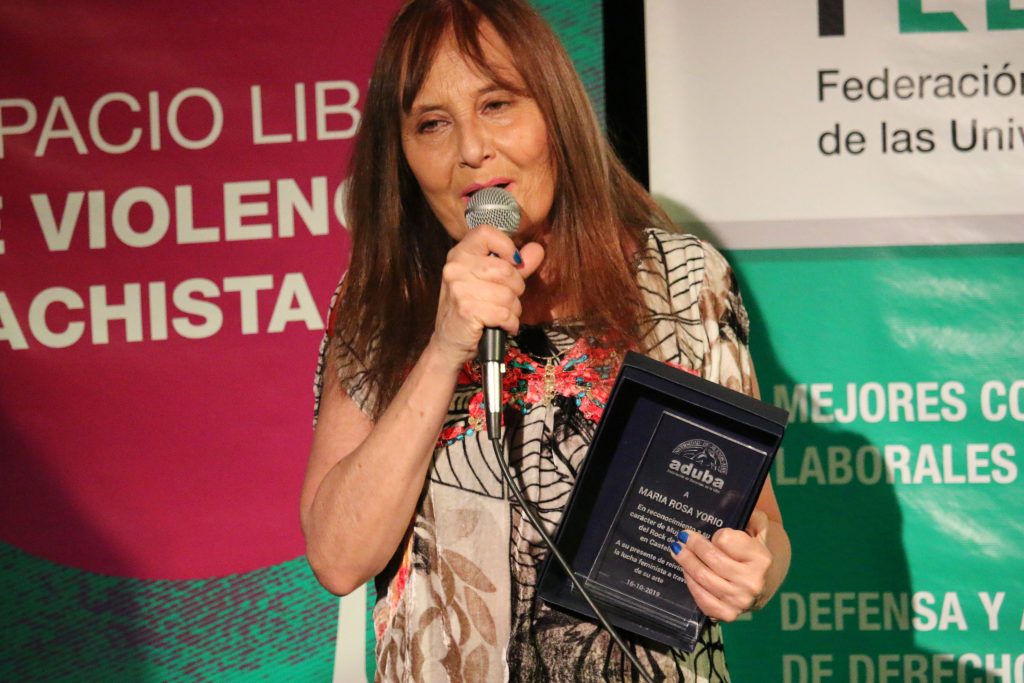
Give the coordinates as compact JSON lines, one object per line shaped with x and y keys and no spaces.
{"x":458,"y":602}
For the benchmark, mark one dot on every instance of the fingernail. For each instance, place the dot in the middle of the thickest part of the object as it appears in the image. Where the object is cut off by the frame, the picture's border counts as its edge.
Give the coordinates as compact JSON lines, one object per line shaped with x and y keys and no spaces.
{"x":683,"y":536}
{"x":676,"y":548}
{"x":517,"y":258}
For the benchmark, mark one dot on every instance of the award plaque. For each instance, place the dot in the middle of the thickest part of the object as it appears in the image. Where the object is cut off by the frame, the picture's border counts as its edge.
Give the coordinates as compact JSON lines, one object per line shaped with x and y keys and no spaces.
{"x":672,"y":452}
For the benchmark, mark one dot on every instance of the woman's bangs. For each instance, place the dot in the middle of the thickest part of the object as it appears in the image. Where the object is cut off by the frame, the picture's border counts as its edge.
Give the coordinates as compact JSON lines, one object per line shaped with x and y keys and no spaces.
{"x":463,"y":25}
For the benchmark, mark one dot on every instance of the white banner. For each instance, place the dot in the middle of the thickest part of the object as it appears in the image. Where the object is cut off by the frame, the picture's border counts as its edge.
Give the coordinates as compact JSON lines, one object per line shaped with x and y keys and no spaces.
{"x":915,"y":111}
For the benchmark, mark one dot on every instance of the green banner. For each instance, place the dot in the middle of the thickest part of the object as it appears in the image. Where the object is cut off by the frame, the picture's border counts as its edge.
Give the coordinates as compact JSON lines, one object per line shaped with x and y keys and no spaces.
{"x":899,"y":476}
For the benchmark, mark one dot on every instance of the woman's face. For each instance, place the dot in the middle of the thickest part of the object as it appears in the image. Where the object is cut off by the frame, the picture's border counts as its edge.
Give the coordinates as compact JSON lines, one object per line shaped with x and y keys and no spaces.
{"x":465,"y":132}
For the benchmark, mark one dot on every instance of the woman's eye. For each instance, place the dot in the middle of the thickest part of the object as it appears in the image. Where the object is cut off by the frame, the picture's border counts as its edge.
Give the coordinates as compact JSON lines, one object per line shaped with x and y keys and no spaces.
{"x":429,"y":126}
{"x":496,"y":105}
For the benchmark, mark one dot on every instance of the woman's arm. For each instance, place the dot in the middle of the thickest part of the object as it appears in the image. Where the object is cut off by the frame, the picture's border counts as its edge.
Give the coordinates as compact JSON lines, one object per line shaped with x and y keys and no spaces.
{"x":364,"y":479}
{"x":773,"y":534}
{"x":735,"y":571}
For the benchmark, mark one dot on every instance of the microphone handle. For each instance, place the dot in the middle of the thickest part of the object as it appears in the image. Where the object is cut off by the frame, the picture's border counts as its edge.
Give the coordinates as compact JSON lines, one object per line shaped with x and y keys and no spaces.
{"x":491,"y":355}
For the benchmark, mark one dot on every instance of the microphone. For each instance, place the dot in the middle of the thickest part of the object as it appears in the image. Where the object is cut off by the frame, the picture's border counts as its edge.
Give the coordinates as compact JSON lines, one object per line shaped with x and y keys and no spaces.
{"x":493,"y":206}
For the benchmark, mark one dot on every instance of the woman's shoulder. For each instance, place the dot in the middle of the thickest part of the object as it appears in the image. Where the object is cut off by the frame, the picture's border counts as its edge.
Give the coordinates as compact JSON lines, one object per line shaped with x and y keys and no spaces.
{"x":338,"y":356}
{"x":675,"y":245}
{"x":672,"y":256}
{"x":697,"y":274}
{"x":692,"y":298}
{"x":683,"y":254}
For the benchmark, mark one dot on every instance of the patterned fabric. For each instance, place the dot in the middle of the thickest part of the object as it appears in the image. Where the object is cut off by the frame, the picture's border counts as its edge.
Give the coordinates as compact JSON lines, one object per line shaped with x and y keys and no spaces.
{"x":460,"y":602}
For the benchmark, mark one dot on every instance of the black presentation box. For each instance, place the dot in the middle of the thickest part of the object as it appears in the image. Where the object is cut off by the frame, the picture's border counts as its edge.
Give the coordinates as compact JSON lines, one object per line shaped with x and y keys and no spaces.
{"x":672,"y":452}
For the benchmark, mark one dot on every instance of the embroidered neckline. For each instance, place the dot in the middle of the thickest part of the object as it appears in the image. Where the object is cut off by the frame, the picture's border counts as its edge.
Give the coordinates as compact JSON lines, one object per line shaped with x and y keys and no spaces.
{"x":583,"y":372}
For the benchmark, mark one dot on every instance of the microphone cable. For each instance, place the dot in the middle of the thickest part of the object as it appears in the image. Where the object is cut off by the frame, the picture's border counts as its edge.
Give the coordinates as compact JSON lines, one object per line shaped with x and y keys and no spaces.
{"x":532,"y":517}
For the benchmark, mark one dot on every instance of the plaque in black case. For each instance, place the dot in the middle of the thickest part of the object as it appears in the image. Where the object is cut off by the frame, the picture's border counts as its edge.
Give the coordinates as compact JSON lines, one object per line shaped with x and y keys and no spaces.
{"x":672,"y":452}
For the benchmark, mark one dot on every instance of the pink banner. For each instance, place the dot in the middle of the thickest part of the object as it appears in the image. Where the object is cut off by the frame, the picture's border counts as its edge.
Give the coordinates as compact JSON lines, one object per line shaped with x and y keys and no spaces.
{"x":171,"y":228}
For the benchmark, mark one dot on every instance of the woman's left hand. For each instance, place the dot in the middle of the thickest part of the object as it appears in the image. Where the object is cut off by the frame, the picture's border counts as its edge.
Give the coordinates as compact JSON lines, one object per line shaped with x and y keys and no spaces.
{"x":727,"y":575}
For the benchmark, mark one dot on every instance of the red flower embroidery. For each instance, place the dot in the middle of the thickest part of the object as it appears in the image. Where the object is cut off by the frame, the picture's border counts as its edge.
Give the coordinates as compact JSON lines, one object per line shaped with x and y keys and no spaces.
{"x":526,"y":385}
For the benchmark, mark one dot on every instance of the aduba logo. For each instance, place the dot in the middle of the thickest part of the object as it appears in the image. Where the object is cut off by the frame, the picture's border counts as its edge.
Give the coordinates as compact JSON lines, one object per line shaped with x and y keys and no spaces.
{"x":702,"y":462}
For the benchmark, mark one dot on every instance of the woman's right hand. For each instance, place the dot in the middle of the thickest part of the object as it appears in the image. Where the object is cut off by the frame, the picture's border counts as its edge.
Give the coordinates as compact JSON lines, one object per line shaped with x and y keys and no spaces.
{"x":481,"y":286}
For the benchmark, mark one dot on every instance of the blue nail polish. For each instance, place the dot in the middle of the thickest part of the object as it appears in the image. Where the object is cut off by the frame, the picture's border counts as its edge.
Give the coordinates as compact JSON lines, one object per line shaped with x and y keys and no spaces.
{"x":683,"y":536}
{"x":676,"y":548}
{"x":517,"y":258}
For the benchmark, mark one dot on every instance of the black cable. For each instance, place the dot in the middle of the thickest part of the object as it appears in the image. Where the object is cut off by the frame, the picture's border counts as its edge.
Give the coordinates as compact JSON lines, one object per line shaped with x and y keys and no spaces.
{"x":528,"y":510}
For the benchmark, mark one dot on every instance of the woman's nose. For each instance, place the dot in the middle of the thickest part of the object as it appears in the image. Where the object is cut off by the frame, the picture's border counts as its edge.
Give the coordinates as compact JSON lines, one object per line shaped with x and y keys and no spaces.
{"x":475,"y":143}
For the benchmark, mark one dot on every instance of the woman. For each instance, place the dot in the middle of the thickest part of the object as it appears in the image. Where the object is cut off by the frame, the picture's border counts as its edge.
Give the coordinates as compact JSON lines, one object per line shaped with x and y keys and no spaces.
{"x":469,"y":94}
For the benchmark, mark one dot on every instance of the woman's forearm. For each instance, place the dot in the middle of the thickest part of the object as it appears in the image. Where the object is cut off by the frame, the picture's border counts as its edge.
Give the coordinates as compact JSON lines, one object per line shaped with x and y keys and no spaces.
{"x":362,"y":506}
{"x":782,"y":554}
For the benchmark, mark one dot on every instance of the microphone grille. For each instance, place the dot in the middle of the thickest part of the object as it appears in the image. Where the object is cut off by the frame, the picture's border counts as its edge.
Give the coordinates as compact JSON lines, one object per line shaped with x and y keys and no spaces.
{"x":493,"y":206}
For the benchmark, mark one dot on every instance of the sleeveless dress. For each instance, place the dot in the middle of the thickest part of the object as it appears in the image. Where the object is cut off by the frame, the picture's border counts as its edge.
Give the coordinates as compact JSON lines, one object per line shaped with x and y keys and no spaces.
{"x":458,"y":601}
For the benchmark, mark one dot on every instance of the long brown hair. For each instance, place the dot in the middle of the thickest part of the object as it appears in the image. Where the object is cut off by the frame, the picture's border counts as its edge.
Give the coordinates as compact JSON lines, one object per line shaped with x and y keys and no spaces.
{"x":398,"y":245}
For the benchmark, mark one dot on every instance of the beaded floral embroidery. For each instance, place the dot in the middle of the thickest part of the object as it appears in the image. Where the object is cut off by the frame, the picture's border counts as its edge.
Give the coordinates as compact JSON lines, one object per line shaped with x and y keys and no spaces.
{"x":584,"y":372}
